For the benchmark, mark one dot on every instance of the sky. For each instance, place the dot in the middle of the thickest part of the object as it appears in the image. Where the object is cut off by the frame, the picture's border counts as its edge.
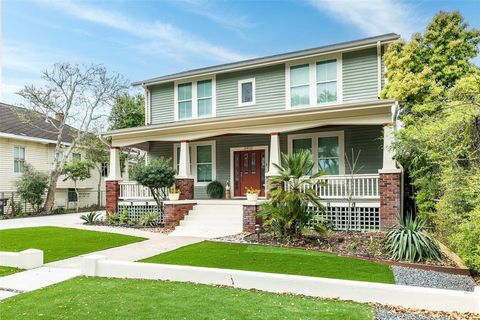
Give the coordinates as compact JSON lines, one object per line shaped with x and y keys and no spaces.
{"x":146,"y":39}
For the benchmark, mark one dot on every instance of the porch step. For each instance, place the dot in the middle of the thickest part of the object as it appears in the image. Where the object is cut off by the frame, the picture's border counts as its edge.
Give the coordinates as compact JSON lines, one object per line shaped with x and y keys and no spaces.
{"x":211,"y":220}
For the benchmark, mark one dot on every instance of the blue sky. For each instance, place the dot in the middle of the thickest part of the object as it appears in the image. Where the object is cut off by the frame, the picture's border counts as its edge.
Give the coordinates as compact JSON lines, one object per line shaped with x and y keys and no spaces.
{"x":144,"y":39}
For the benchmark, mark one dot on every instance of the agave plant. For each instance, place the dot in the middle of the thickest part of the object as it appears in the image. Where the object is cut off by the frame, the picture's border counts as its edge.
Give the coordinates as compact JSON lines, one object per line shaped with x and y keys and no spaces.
{"x":409,"y":242}
{"x":91,"y":218}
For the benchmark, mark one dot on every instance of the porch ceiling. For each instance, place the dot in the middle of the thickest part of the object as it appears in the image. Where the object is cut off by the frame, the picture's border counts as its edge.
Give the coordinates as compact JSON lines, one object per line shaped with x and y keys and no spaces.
{"x":371,"y":113}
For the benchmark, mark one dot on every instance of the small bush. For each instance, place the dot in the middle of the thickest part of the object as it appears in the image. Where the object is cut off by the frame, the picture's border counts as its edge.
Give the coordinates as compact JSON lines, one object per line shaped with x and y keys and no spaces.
{"x":150,"y":219}
{"x":215,"y":190}
{"x":466,"y":241}
{"x":123,"y":217}
{"x":408,"y":242}
{"x":91,"y":218}
{"x":32,"y":186}
{"x":112,"y":218}
{"x":58,"y":210}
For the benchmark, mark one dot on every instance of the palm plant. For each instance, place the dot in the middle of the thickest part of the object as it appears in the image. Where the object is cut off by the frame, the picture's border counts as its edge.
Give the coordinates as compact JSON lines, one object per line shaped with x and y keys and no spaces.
{"x":409,"y":242}
{"x":91,"y":218}
{"x":290,"y":209}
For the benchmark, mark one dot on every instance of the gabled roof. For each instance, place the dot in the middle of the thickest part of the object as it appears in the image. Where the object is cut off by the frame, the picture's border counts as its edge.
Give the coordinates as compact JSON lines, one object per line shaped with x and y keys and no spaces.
{"x":278,"y":58}
{"x":13,"y":121}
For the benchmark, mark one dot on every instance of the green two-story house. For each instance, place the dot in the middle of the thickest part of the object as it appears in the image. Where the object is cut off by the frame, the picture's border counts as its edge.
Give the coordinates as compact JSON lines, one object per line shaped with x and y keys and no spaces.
{"x":231,"y":122}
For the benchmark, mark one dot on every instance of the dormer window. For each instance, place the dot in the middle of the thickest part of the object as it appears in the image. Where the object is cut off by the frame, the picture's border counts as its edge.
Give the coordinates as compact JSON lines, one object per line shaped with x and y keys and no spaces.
{"x":246,"y":92}
{"x":195,"y":99}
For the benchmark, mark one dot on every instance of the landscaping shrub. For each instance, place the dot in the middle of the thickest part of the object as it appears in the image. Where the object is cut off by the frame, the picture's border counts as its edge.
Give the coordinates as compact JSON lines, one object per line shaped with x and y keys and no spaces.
{"x":215,"y":190}
{"x":32,"y":186}
{"x":123,"y":217}
{"x":58,"y":210}
{"x":288,"y":211}
{"x":466,"y":241}
{"x":91,"y":218}
{"x":150,"y":219}
{"x":408,"y":242}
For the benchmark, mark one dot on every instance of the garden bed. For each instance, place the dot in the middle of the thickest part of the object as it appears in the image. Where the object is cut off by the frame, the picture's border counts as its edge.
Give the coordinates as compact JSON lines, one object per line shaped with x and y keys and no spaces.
{"x":366,"y":245}
{"x":157,"y":229}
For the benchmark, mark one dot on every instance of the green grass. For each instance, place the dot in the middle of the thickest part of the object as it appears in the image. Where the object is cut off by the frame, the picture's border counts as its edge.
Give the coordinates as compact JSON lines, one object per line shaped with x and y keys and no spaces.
{"x":61,"y":243}
{"x":275,"y":260}
{"x":102,"y":298}
{"x":5,"y":271}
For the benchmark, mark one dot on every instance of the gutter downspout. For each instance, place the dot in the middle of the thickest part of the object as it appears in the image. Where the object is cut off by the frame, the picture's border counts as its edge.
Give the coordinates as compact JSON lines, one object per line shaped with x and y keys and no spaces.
{"x":379,"y":69}
{"x":148,"y":113}
{"x":396,"y":110}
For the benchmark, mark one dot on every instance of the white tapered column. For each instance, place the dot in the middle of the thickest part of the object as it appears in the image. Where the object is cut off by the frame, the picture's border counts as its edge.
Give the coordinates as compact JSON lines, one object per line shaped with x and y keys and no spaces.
{"x":388,"y":153}
{"x":115,"y":172}
{"x":184,"y":161}
{"x":274,"y":154}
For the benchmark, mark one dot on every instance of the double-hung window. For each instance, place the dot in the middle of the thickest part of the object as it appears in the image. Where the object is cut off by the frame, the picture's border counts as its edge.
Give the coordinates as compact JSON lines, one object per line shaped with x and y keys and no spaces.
{"x":325,"y":148}
{"x":195,"y":99}
{"x":202,"y":161}
{"x":18,"y":159}
{"x":314,"y":82}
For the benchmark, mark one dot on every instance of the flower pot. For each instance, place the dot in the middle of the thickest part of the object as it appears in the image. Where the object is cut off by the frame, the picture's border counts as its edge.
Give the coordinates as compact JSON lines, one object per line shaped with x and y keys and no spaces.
{"x":173,"y":196}
{"x":252,"y":197}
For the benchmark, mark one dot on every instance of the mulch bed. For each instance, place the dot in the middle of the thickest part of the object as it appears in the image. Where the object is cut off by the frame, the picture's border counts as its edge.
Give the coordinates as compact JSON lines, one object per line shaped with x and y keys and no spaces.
{"x":353,"y":243}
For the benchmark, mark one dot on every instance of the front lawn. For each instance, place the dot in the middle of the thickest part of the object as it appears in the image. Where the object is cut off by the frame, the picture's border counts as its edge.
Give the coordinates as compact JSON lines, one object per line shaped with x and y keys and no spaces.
{"x":275,"y":260}
{"x":61,"y":243}
{"x":102,"y":298}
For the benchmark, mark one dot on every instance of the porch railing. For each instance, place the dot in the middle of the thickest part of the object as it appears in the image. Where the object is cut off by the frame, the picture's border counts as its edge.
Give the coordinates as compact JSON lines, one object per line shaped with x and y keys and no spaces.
{"x":360,"y":186}
{"x":134,"y":190}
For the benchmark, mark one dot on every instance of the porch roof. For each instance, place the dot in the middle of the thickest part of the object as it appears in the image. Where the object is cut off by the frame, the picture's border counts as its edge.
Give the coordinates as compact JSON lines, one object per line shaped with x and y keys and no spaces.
{"x":359,"y":113}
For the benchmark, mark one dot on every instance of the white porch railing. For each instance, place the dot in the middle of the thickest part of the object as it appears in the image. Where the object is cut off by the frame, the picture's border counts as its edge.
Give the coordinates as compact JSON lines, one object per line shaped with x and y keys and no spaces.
{"x":134,"y":190}
{"x":342,"y":187}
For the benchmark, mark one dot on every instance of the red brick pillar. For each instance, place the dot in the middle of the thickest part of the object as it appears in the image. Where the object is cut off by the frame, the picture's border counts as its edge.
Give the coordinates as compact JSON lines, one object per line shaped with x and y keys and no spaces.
{"x":174,"y":212}
{"x":112,"y":194}
{"x":390,"y":197}
{"x":249,"y":220}
{"x":185,"y":185}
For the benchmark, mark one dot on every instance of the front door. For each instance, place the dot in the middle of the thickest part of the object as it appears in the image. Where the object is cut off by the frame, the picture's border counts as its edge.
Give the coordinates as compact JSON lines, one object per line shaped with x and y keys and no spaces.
{"x":249,"y":171}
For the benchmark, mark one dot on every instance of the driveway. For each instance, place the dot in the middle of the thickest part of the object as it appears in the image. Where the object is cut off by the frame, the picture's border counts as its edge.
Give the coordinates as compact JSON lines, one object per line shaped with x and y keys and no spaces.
{"x":58,"y":220}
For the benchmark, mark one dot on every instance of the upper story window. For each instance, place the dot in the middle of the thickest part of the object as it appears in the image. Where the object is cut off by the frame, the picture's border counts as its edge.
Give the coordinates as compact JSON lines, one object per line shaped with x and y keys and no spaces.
{"x":195,"y":99}
{"x":246,"y":92}
{"x":76,"y":157}
{"x":314,"y":82}
{"x":18,"y":159}
{"x":104,"y":169}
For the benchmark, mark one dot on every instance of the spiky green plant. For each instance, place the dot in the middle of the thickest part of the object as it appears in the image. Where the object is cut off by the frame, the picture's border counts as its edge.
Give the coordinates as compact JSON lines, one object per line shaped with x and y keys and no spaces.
{"x":150,"y":219}
{"x":409,"y":242}
{"x":91,"y":218}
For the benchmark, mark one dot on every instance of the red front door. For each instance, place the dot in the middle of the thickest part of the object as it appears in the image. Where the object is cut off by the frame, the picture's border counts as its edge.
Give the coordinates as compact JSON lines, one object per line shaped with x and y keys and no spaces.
{"x":248,"y":171}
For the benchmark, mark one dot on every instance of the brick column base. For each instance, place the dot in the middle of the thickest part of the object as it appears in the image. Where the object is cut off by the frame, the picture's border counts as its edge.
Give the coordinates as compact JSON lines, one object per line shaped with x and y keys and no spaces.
{"x":272,"y":186}
{"x":173,"y":213}
{"x":390,"y":198}
{"x":186,"y":188}
{"x":249,"y":220}
{"x":112,"y":188}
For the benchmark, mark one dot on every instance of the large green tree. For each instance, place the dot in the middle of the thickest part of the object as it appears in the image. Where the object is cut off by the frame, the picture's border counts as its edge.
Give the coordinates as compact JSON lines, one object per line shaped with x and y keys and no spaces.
{"x":439,"y":86}
{"x":128,"y":112}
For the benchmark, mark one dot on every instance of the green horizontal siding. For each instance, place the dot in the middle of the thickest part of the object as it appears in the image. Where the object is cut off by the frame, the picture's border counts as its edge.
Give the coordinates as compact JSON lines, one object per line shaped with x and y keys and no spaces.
{"x":360,"y":81}
{"x":366,"y":139}
{"x":269,"y":87}
{"x":162,"y":103}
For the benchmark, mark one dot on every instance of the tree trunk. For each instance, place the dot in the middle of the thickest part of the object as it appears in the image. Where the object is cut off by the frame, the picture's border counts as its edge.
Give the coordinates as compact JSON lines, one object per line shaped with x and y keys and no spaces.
{"x":76,"y":192}
{"x":52,"y":187}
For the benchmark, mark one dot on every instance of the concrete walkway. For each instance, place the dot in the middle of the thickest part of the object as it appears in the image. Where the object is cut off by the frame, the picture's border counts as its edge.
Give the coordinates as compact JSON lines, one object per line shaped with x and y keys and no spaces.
{"x":62,"y":270}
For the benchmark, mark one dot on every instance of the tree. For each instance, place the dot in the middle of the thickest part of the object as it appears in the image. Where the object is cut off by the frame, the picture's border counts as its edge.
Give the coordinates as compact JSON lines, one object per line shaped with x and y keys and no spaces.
{"x":128,"y":112}
{"x":158,"y":176}
{"x":290,"y":209}
{"x":83,"y":95}
{"x":96,"y":151}
{"x":77,"y":170}
{"x":32,"y":186}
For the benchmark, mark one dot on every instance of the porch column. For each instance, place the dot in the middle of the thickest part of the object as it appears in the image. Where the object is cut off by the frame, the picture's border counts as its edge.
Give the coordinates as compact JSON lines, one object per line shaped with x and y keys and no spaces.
{"x":184,"y":181}
{"x":274,"y":154}
{"x":390,"y":184}
{"x":112,"y":185}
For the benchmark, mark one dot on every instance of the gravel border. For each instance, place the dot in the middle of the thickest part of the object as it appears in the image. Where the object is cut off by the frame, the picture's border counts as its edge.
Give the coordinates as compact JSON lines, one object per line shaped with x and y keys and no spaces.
{"x":432,"y":279}
{"x":382,"y":313}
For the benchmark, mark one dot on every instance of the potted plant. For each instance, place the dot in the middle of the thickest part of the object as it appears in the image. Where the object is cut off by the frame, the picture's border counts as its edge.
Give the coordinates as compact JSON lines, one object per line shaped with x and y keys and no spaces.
{"x":252,"y":194}
{"x":174,"y":194}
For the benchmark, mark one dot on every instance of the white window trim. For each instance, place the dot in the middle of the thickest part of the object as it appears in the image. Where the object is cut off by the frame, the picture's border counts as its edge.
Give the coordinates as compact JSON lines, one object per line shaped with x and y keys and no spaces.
{"x":194,"y":98}
{"x":251,"y":103}
{"x":193,"y":159}
{"x":314,"y":136}
{"x":24,"y":158}
{"x":232,"y":174}
{"x":312,"y":62}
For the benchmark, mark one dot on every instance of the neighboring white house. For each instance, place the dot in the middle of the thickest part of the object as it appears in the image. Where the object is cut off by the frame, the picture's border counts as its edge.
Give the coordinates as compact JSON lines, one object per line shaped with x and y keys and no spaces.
{"x":34,"y":142}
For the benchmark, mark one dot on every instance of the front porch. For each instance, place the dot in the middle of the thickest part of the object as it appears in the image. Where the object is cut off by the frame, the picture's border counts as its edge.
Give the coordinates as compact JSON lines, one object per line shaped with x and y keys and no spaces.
{"x":363,"y":198}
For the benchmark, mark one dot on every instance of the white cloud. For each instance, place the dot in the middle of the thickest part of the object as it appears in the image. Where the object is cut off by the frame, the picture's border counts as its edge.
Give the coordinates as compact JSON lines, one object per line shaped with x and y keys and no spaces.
{"x":373,"y":17}
{"x":172,"y":38}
